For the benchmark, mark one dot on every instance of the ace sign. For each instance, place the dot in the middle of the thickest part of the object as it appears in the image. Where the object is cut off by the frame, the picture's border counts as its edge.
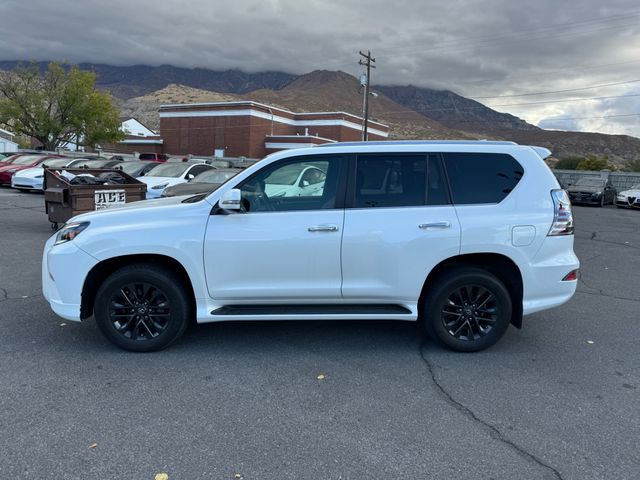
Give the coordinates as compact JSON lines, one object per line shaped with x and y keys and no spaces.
{"x":110,"y":198}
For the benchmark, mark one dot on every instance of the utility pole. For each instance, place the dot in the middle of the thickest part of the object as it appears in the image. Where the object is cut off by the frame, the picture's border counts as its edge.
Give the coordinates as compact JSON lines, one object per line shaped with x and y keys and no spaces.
{"x":367,"y":61}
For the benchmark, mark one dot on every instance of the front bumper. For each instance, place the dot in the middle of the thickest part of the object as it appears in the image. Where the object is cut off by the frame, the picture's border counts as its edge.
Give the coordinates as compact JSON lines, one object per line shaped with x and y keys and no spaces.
{"x":629,"y":202}
{"x":27,"y":183}
{"x":585,"y":198}
{"x":64,"y":270}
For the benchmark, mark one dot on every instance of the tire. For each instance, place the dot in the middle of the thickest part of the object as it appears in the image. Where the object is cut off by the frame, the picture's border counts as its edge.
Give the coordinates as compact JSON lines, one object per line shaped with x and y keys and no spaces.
{"x":141,"y":308}
{"x":481,"y":327}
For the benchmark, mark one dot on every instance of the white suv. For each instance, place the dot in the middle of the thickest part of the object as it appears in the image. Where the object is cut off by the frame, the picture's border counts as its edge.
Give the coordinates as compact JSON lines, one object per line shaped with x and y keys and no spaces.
{"x":465,"y":237}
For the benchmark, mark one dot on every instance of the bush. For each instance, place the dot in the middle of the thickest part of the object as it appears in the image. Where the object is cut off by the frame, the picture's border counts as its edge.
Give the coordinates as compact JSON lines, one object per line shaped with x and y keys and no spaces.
{"x":569,"y":163}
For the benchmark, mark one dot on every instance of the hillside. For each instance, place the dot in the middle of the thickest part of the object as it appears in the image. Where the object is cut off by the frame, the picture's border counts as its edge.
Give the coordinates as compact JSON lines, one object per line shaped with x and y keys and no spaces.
{"x":325,"y":90}
{"x":453,"y":110}
{"x":411,"y":112}
{"x":145,"y":108}
{"x":137,"y":80}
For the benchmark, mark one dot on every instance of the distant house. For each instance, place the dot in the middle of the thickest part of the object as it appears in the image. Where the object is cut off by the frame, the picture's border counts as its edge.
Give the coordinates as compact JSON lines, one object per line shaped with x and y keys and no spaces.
{"x":6,"y":142}
{"x":135,"y":128}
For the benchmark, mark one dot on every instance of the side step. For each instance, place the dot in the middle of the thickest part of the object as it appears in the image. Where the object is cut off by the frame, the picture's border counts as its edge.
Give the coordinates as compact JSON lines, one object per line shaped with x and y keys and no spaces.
{"x":312,"y":310}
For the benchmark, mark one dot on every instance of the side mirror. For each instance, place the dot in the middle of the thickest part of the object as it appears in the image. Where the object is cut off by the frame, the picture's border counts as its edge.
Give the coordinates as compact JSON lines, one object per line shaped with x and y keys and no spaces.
{"x":231,"y":199}
{"x":191,"y":176}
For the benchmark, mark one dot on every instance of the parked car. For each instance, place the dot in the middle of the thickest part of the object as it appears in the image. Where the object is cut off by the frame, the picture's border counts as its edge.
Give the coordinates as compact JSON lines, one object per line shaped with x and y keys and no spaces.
{"x":154,"y":157}
{"x":596,"y":191}
{"x":21,"y":163}
{"x":33,"y":178}
{"x":629,"y":198}
{"x":206,"y":182}
{"x":10,"y":159}
{"x":169,"y":174}
{"x":451,"y":234}
{"x":83,"y":163}
{"x":137,"y":168}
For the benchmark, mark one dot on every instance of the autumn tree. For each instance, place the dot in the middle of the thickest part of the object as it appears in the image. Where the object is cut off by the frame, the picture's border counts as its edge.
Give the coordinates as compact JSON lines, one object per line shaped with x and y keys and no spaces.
{"x":595,"y":163}
{"x":57,"y":106}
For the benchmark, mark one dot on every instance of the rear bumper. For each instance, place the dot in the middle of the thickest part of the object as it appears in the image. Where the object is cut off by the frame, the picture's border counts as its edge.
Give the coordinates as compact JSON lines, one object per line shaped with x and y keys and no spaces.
{"x":5,"y":178}
{"x":543,"y":284}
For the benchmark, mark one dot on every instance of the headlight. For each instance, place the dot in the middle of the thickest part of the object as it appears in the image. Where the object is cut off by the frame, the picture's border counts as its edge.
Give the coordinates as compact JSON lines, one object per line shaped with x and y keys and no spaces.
{"x":162,"y":185}
{"x":623,"y":197}
{"x":69,"y":232}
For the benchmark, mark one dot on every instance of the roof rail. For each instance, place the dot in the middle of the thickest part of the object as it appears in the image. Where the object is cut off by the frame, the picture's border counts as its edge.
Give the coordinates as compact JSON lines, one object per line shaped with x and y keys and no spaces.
{"x":418,"y":142}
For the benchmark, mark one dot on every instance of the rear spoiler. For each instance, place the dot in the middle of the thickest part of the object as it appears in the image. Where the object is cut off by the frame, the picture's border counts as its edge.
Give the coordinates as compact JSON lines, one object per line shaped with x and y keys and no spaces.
{"x":542,"y":152}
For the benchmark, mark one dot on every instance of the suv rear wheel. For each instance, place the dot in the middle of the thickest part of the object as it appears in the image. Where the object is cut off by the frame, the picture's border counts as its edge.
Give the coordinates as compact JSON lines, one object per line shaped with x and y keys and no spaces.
{"x":467,"y":309}
{"x":142,"y":308}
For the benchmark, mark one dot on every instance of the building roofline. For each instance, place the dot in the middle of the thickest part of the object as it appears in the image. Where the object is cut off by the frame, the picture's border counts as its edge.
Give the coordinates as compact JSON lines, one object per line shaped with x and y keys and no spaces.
{"x":182,"y":106}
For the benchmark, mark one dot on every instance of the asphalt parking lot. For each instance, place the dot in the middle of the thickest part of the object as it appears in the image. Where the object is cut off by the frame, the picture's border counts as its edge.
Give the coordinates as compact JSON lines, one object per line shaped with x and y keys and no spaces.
{"x":557,"y":399}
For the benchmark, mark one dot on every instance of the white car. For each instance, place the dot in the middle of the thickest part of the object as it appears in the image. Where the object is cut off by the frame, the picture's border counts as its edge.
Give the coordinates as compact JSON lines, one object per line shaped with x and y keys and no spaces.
{"x":33,"y":178}
{"x":629,"y":198}
{"x":169,"y":174}
{"x":465,"y":237}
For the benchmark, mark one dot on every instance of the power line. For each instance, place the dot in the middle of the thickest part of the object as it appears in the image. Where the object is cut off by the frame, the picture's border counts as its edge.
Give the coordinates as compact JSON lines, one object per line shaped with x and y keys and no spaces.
{"x":558,"y":91}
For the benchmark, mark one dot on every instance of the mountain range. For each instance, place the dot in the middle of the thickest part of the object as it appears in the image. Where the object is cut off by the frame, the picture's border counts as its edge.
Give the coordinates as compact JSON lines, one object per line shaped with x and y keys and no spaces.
{"x":410,"y":111}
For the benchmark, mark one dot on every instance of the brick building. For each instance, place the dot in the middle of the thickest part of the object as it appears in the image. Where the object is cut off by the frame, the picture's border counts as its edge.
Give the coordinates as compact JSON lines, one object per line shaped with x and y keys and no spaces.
{"x":253,"y":129}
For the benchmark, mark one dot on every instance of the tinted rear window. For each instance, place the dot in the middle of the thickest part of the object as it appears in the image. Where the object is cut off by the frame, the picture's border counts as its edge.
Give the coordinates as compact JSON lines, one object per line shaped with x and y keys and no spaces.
{"x":481,"y":177}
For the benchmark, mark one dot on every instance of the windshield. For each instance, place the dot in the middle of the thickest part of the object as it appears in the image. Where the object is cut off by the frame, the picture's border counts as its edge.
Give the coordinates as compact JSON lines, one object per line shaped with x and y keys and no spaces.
{"x":26,"y":159}
{"x":132,"y":167}
{"x":11,"y":159}
{"x":169,"y":170}
{"x":590,"y":182}
{"x":92,"y":163}
{"x":214,"y":176}
{"x":55,"y":162}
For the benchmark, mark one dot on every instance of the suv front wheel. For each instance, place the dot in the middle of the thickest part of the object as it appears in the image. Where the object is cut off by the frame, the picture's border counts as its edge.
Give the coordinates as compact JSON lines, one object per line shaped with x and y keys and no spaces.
{"x":142,"y":308}
{"x":467,"y":309}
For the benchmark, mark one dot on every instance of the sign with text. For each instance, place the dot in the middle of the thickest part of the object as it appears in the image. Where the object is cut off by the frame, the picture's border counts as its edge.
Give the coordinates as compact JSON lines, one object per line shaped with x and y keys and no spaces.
{"x":110,"y":198}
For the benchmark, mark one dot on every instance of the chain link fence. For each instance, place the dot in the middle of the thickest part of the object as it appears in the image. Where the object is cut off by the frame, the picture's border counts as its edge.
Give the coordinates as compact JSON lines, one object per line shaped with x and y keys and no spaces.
{"x":620,"y":180}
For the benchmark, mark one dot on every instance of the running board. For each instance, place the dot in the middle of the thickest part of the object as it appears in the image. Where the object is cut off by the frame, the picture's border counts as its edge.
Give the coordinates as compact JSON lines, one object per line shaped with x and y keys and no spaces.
{"x":312,"y":310}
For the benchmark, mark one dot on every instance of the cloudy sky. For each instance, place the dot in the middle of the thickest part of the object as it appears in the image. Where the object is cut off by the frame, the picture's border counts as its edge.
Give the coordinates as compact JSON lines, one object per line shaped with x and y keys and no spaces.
{"x":502,"y":52}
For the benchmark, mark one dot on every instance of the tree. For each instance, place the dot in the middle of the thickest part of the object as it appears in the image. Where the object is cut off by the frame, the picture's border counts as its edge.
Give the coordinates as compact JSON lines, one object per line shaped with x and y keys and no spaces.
{"x":632,"y":165}
{"x":594,"y":163}
{"x":57,"y":106}
{"x":569,"y":163}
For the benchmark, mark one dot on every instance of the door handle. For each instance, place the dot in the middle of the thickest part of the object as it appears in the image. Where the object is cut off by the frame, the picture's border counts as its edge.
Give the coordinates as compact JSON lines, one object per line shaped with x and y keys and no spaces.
{"x":441,"y":225}
{"x":323,"y":228}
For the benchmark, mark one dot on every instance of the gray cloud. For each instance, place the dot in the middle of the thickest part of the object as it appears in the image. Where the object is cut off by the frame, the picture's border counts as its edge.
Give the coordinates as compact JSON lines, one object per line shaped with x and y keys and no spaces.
{"x":476,"y":48}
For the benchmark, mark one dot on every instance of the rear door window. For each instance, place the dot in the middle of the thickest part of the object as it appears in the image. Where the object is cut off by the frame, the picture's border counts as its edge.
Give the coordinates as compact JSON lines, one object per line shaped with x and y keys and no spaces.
{"x":481,"y":177}
{"x":399,"y":180}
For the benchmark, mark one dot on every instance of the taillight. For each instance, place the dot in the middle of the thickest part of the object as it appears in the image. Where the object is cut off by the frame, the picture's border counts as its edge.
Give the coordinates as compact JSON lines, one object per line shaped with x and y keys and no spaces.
{"x":571,"y":276}
{"x":562,"y":217}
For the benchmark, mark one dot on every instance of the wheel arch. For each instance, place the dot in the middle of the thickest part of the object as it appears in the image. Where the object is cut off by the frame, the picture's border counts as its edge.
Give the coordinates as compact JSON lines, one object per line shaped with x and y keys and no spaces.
{"x":497,"y":264}
{"x":106,"y":267}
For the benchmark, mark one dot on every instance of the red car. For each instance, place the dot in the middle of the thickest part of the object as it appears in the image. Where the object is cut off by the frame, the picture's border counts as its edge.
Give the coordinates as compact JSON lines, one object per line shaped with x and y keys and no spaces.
{"x":8,"y":160}
{"x":20,"y":163}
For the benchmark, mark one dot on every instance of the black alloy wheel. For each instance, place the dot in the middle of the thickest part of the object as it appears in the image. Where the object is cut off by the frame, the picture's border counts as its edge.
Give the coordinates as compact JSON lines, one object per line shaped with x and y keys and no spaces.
{"x":139,"y":311}
{"x":142,"y":307}
{"x":469,"y":312}
{"x":467,"y":309}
